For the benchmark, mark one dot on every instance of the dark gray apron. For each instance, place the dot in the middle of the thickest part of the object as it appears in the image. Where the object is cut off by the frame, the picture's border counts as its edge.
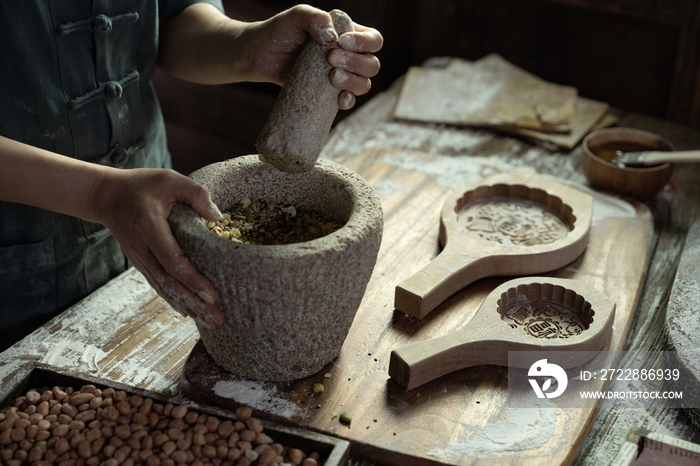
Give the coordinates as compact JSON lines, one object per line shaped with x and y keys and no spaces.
{"x":75,"y":79}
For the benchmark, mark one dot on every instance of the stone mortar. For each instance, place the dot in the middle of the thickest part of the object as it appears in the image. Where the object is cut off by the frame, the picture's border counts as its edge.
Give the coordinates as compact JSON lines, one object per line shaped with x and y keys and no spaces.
{"x":287,"y":308}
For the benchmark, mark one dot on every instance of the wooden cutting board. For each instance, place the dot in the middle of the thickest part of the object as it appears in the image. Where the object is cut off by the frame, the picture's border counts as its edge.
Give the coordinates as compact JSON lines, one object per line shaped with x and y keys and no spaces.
{"x":460,"y":418}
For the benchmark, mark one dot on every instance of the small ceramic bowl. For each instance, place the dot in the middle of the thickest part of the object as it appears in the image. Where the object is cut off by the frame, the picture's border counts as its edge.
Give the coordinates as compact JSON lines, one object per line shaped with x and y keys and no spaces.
{"x":639,"y":183}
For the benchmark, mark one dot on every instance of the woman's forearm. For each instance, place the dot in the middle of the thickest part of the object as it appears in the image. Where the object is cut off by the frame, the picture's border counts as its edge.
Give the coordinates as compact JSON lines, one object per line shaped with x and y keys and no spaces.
{"x":134,"y":204}
{"x":199,"y":45}
{"x":33,"y":176}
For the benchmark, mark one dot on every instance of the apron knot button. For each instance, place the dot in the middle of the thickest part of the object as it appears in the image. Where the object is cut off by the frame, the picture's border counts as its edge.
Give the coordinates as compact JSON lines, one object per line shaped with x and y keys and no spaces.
{"x":113,"y":90}
{"x":119,"y":155}
{"x":101,"y":24}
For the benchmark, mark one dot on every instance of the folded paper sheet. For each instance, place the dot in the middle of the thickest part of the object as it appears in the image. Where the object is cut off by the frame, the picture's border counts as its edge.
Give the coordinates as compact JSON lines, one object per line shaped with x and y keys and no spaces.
{"x":588,"y":115}
{"x":489,"y":92}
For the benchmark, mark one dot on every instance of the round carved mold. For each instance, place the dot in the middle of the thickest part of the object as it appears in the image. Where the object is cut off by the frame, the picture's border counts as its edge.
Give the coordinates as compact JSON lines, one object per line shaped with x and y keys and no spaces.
{"x":514,"y":215}
{"x":545,"y":310}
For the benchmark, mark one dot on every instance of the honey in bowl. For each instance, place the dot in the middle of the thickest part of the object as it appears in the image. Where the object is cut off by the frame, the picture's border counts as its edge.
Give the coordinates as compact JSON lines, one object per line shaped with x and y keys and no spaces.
{"x":607,"y":152}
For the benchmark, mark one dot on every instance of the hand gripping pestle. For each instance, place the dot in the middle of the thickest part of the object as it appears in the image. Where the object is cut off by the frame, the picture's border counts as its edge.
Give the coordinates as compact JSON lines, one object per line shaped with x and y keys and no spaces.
{"x":301,"y":118}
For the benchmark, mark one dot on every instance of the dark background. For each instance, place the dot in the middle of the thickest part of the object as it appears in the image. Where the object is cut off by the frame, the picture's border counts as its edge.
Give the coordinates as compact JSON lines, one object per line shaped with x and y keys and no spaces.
{"x":637,"y":55}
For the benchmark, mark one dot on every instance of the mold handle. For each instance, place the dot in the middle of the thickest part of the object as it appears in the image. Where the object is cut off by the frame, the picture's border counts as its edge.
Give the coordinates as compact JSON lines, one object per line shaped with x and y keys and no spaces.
{"x":420,"y":363}
{"x":448,"y":273}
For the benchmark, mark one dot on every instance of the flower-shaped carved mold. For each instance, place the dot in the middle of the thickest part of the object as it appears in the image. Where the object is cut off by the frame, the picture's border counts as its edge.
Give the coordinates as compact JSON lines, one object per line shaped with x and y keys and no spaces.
{"x":514,"y":215}
{"x":544,"y":310}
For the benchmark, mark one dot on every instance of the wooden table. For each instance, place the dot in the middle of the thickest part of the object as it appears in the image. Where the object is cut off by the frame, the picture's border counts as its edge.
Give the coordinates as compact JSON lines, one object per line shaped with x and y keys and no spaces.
{"x":125,"y":333}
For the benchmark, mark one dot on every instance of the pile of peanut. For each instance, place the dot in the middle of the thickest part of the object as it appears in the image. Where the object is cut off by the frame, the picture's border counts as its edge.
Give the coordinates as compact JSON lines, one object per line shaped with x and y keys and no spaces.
{"x":108,"y":427}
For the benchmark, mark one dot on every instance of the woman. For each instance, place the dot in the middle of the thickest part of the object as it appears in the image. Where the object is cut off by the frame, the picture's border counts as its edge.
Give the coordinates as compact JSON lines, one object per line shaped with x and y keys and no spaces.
{"x":78,"y":109}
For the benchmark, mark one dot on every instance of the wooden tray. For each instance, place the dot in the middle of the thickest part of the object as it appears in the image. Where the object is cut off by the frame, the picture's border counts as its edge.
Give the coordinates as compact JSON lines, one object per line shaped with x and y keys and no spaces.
{"x":334,"y":451}
{"x":449,"y":420}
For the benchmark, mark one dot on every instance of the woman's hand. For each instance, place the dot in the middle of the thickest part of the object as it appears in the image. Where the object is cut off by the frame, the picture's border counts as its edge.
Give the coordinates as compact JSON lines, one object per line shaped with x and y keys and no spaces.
{"x":201,"y":44}
{"x":135,"y":204}
{"x":277,"y":42}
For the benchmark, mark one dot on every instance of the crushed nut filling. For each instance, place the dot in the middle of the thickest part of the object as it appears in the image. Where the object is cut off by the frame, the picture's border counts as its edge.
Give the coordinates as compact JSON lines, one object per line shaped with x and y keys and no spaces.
{"x":260,"y":222}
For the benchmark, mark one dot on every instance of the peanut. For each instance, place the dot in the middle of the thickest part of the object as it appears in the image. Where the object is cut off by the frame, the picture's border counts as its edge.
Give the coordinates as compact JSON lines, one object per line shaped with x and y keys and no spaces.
{"x":179,"y":412}
{"x":32,"y":397}
{"x":279,"y":449}
{"x":110,"y":413}
{"x":21,"y":424}
{"x":9,"y":421}
{"x":248,"y":435}
{"x":243,"y":413}
{"x":254,"y":425}
{"x":81,"y":398}
{"x":21,"y":455}
{"x":175,"y":434}
{"x":86,"y":416}
{"x":56,"y":409}
{"x":179,"y":456}
{"x":25,"y":444}
{"x":69,"y":409}
{"x":185,"y":443}
{"x":191,"y":417}
{"x":263,"y":439}
{"x":76,"y":425}
{"x":93,"y":434}
{"x":58,"y":394}
{"x":124,"y":407}
{"x":169,"y":447}
{"x":97,"y":445}
{"x":122,"y":431}
{"x":209,"y":451}
{"x":212,"y":424}
{"x":177,"y":424}
{"x":32,"y":431}
{"x":225,"y":429}
{"x":17,"y":434}
{"x":267,"y":457}
{"x":61,"y":446}
{"x":43,"y":408}
{"x":84,"y":449}
{"x":296,"y":456}
{"x":146,"y":406}
{"x":6,"y":437}
{"x":108,"y":450}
